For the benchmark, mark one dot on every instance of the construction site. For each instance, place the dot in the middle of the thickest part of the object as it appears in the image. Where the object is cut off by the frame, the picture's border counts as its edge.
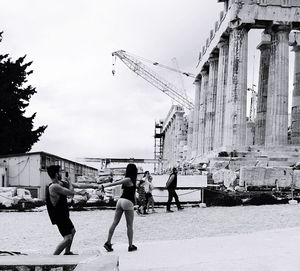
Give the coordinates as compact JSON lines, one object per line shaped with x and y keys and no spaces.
{"x":219,"y":127}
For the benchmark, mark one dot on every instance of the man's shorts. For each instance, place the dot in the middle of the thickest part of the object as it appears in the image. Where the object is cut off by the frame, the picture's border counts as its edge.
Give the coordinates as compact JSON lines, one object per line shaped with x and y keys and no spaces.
{"x":125,"y":204}
{"x":65,"y":227}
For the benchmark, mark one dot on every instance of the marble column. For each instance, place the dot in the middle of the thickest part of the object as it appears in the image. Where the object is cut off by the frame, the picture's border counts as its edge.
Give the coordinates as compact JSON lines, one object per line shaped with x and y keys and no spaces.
{"x":262,"y":95}
{"x":190,"y":134}
{"x":202,"y":112}
{"x":173,"y":141}
{"x":278,"y":89}
{"x":178,"y":136}
{"x":221,"y":86}
{"x":295,"y":127}
{"x":167,"y":147}
{"x":196,"y":117}
{"x":236,"y":90}
{"x":211,"y":103}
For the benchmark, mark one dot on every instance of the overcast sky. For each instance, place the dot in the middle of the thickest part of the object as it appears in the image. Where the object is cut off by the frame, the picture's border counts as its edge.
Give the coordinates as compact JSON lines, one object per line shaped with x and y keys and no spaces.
{"x":90,"y":112}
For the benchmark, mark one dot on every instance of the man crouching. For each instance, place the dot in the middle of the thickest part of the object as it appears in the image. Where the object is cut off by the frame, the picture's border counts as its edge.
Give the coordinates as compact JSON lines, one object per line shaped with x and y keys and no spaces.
{"x":58,"y":210}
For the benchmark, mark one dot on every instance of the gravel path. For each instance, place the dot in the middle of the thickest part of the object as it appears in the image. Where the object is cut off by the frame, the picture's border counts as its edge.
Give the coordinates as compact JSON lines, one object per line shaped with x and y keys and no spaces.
{"x":32,"y":231}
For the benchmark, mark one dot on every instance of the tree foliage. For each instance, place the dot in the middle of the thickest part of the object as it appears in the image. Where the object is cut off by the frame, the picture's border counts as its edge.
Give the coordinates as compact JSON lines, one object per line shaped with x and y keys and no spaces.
{"x":17,"y":134}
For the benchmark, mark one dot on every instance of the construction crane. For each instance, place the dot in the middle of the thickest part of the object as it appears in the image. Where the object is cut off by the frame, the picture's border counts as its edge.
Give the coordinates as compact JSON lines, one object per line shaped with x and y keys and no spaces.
{"x":175,"y":63}
{"x":134,"y":64}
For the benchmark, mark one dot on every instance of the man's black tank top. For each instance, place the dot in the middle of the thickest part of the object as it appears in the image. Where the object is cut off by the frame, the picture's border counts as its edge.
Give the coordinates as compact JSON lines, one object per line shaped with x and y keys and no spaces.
{"x":129,"y":193}
{"x":59,"y":212}
{"x":173,"y":185}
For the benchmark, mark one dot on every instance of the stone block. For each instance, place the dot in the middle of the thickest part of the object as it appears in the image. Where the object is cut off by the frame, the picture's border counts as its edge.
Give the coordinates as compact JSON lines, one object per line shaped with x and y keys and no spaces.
{"x":296,"y":179}
{"x":59,"y":263}
{"x":266,"y":176}
{"x":253,"y":176}
{"x":224,"y":176}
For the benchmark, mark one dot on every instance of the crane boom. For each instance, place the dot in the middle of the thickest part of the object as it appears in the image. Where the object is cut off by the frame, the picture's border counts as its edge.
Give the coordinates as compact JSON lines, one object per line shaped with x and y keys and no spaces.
{"x":154,"y":79}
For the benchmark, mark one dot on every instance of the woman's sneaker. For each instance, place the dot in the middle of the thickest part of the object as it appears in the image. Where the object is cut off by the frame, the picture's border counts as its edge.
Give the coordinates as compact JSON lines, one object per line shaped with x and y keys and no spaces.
{"x":108,"y":247}
{"x":70,"y":253}
{"x":132,"y":248}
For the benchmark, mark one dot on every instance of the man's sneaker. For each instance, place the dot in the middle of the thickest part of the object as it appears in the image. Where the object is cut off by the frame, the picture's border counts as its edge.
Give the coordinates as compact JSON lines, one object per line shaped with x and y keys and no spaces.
{"x":132,"y":248}
{"x":108,"y":247}
{"x":180,"y":208}
{"x":170,"y":211}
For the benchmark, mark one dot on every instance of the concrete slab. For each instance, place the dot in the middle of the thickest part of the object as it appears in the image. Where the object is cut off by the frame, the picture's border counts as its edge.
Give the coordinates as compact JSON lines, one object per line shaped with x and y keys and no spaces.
{"x":275,"y":250}
{"x":100,"y":263}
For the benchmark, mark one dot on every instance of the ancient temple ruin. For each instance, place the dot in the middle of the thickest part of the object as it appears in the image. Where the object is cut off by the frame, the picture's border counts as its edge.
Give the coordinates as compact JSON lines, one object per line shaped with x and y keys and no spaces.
{"x":219,"y":121}
{"x":221,"y":85}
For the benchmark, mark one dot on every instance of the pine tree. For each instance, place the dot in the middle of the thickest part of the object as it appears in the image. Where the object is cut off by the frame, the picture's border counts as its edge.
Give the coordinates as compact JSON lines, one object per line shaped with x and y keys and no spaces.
{"x":16,"y":131}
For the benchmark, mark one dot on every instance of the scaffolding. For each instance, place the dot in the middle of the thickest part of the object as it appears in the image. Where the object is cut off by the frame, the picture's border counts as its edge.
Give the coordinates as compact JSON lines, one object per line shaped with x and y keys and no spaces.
{"x":158,"y":146}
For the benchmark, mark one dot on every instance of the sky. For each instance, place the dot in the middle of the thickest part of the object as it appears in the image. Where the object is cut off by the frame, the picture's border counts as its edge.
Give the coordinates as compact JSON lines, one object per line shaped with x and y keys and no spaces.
{"x":90,"y":112}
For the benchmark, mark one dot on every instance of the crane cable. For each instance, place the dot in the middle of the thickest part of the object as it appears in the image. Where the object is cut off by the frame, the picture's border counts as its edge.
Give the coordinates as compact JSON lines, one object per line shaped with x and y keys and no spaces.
{"x":154,"y":63}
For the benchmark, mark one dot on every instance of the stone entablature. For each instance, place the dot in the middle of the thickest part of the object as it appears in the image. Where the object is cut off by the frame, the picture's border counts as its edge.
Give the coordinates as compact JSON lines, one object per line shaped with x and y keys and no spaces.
{"x":257,"y":13}
{"x":283,"y":3}
{"x":168,"y":120}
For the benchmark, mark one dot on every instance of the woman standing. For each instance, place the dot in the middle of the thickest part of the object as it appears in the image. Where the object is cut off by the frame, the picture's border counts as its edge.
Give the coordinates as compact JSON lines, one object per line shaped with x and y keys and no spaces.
{"x":125,"y":205}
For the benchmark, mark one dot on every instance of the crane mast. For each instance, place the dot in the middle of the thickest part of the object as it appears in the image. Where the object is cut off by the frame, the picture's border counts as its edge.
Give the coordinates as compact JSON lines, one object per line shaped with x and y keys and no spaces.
{"x":153,"y":78}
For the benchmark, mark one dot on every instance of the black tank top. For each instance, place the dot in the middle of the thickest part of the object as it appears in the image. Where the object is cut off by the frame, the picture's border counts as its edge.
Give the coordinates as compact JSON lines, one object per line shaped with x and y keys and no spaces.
{"x":173,"y":185}
{"x":129,"y":193}
{"x":59,"y":212}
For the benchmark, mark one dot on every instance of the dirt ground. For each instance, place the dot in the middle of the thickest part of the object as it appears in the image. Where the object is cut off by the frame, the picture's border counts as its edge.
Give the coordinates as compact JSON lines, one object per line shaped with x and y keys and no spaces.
{"x":32,"y":232}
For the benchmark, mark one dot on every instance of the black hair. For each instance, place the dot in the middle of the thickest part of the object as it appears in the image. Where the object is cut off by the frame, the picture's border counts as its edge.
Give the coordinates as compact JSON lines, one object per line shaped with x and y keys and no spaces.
{"x":145,"y":173}
{"x":131,"y":172}
{"x":174,"y":169}
{"x":52,"y":170}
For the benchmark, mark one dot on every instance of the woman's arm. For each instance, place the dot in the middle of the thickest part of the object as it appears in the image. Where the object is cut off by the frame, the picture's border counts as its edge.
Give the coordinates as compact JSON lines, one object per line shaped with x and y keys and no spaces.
{"x":126,"y":180}
{"x":85,"y":185}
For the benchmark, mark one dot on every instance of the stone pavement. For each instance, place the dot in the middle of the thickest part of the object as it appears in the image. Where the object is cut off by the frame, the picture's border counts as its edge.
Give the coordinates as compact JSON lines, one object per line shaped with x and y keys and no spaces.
{"x":276,"y":250}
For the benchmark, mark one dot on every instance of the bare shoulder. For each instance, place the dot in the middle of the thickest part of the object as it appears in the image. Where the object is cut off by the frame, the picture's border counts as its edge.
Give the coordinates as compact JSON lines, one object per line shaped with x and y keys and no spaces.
{"x":127,"y":181}
{"x":55,"y":187}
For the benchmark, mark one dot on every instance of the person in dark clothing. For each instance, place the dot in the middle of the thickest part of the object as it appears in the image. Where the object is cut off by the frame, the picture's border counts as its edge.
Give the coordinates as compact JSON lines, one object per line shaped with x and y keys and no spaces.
{"x":58,"y":210}
{"x":142,"y":201}
{"x":125,"y":205}
{"x":171,"y":186}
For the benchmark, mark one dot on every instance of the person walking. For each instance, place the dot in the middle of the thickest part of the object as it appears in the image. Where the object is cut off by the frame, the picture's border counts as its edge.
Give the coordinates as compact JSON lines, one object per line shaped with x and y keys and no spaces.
{"x":125,"y":205}
{"x":171,"y":185}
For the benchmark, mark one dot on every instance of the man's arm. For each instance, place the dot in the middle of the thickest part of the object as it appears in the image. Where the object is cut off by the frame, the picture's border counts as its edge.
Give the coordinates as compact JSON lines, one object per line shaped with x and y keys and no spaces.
{"x":62,"y":190}
{"x":169,"y":182}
